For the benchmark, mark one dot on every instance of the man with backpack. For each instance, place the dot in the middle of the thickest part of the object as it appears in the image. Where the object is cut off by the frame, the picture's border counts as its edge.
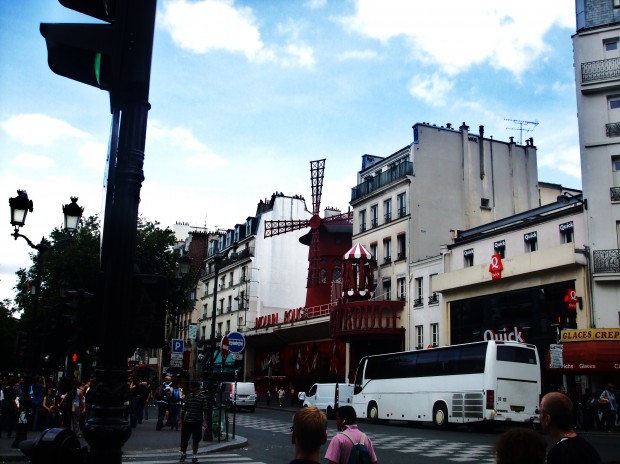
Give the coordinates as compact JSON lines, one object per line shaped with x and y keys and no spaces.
{"x":163,"y":395}
{"x":350,"y":446}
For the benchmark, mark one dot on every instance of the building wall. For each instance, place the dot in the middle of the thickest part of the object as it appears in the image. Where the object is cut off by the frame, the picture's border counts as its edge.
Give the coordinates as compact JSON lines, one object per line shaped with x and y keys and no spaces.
{"x":599,"y":136}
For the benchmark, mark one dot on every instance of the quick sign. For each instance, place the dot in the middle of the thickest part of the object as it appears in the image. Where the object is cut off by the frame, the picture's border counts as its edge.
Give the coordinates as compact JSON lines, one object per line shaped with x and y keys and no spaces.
{"x":468,"y":252}
{"x":500,"y":244}
{"x":566,"y":226}
{"x":496,"y":267}
{"x":530,"y":236}
{"x":514,"y":336}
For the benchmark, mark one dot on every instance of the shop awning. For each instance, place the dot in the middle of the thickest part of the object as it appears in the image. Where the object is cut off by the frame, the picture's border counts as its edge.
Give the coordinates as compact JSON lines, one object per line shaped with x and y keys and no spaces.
{"x":591,"y":356}
{"x":357,"y":252}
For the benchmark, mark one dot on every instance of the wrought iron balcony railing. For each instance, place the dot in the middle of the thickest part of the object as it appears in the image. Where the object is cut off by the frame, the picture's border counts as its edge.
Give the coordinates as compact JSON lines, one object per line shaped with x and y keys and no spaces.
{"x":433,"y":299}
{"x":600,"y":70}
{"x":612,"y":129}
{"x":418,"y":302}
{"x":606,"y":261}
{"x":388,"y":217}
{"x":614,"y":193}
{"x":386,"y":177}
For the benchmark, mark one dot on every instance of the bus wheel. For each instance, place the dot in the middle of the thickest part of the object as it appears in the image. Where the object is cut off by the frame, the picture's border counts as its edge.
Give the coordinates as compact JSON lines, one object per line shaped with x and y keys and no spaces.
{"x":373,"y":412}
{"x":440,"y":416}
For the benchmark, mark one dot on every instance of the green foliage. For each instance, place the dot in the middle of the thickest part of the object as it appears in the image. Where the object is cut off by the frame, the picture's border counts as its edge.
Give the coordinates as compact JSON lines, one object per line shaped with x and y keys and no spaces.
{"x":72,"y":264}
{"x":8,"y":335}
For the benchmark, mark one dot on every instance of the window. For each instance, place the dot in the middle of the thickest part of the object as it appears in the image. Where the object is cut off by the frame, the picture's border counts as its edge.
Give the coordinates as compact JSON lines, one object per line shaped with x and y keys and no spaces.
{"x":227,"y":327}
{"x":531,"y":241}
{"x":387,"y":210}
{"x":362,"y":217}
{"x":229,"y":307}
{"x":221,"y":308}
{"x":222,"y":282}
{"x":468,"y":257}
{"x":244,"y":274}
{"x":611,"y":44}
{"x":500,"y":248}
{"x":387,"y":290}
{"x":387,"y":251}
{"x":435,"y":335}
{"x":230,"y":279}
{"x":419,"y":294}
{"x":419,"y":337}
{"x":219,"y":330}
{"x":374,"y":216}
{"x":401,"y":205}
{"x":614,"y":103}
{"x":401,"y":246}
{"x":373,"y":250}
{"x":401,"y":288}
{"x":485,"y":203}
{"x":566,"y":232}
{"x":615,"y":163}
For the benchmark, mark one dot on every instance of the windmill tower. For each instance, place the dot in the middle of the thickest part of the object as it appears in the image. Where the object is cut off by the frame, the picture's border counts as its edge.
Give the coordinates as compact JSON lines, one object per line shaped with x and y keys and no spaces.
{"x":328,"y":240}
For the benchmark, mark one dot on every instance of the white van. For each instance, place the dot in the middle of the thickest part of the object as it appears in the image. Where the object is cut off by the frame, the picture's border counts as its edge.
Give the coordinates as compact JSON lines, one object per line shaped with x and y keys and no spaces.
{"x":246,"y":395}
{"x":329,"y":396}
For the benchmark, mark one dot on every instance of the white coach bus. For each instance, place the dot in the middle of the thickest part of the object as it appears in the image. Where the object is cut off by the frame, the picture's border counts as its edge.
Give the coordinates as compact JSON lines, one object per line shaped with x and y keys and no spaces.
{"x":473,"y":382}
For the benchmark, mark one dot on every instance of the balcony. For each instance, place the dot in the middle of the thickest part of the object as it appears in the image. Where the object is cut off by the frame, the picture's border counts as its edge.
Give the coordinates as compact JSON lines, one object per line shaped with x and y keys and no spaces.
{"x":362,"y":227}
{"x":606,"y":261}
{"x":400,"y":256}
{"x":387,"y":260}
{"x":614,"y":193}
{"x":228,"y":309}
{"x":402,"y":212}
{"x":388,"y":217}
{"x":433,"y":299}
{"x":386,"y":177}
{"x":418,"y":302}
{"x":600,"y":70}
{"x":374,"y":223}
{"x":612,"y":129}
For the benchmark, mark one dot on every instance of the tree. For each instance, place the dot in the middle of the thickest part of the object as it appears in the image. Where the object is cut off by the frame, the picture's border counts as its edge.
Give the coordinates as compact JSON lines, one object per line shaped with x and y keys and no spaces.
{"x":8,"y":338}
{"x":61,"y":313}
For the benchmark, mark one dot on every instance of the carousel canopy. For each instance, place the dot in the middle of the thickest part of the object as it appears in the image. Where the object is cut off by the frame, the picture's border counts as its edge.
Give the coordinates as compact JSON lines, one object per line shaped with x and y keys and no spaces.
{"x":358,"y":252}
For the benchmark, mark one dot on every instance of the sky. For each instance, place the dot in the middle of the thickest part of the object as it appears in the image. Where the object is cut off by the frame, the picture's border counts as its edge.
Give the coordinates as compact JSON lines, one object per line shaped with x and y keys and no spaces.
{"x":244,"y":94}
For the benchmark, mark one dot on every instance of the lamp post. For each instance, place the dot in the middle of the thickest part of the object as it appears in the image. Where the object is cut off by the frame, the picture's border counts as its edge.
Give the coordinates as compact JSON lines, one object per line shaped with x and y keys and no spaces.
{"x":568,"y":198}
{"x":20,"y":206}
{"x":218,"y":258}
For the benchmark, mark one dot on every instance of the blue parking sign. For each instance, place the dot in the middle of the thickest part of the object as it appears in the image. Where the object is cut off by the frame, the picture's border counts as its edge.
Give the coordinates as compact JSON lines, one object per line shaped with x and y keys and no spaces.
{"x":178,"y":345}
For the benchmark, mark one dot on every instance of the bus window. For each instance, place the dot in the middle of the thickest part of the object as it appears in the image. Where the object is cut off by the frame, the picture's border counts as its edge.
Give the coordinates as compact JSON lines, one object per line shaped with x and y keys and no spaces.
{"x":516,"y":354}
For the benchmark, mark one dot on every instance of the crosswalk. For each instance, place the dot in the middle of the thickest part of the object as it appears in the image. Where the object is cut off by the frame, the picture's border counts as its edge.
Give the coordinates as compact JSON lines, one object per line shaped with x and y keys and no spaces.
{"x":416,"y":447}
{"x":169,"y":458}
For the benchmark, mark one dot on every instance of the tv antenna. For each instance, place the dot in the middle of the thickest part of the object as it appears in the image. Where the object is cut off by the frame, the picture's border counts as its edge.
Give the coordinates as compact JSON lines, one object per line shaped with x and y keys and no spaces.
{"x":520,"y":128}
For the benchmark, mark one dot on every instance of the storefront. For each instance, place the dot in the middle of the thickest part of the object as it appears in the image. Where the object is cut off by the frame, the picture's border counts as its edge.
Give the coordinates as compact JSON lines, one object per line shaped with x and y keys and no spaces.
{"x":586,"y":359}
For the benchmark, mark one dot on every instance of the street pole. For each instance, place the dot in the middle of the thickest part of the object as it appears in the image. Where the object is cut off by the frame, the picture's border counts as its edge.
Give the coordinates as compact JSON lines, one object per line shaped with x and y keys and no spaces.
{"x":211,"y":350}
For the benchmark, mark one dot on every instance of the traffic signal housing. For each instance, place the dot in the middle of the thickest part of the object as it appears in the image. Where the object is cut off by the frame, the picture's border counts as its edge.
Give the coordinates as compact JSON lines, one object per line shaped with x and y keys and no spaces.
{"x":115,"y":56}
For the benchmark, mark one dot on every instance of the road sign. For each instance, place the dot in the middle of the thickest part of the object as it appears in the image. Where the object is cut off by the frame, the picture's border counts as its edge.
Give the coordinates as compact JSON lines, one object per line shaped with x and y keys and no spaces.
{"x":237,"y":356}
{"x":176,"y":363}
{"x":178,"y":345}
{"x":236,"y":342}
{"x":224,"y":348}
{"x":176,"y":356}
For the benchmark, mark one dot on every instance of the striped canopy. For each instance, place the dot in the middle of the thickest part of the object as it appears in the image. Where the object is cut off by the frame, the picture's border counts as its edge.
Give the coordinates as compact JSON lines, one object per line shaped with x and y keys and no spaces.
{"x":357,"y":252}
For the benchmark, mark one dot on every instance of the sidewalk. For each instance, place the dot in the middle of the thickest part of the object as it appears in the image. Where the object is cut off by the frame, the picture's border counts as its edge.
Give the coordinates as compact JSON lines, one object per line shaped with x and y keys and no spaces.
{"x":144,"y":441}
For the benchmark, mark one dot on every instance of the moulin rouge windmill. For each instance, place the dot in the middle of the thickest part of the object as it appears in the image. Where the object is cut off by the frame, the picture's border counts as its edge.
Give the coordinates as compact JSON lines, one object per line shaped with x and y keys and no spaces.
{"x":329,"y":238}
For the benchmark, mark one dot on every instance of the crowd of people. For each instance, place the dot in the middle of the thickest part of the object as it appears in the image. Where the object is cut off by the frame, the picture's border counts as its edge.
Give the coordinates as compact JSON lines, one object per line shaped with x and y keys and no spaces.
{"x":43,"y":403}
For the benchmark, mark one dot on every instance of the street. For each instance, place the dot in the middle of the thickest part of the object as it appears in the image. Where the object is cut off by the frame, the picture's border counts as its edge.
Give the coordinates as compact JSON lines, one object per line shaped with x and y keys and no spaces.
{"x":268,"y":434}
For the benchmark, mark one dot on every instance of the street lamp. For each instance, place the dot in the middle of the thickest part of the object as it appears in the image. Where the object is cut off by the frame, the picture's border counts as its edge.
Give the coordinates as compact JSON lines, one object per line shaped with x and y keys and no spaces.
{"x":20,"y":206}
{"x":568,"y":198}
{"x":218,"y":259}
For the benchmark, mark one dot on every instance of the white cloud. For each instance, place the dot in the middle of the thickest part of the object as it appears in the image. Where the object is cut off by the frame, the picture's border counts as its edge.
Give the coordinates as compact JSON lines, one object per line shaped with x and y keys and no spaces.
{"x":209,"y":25}
{"x":185,"y":144}
{"x":431,"y":89}
{"x":32,"y":161}
{"x":93,"y":155}
{"x":40,"y":129}
{"x":358,"y":55}
{"x":462,"y":34}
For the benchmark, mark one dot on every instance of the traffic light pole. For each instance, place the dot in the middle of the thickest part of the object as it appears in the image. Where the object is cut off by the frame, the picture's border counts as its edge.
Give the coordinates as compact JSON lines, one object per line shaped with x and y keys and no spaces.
{"x":107,"y":430}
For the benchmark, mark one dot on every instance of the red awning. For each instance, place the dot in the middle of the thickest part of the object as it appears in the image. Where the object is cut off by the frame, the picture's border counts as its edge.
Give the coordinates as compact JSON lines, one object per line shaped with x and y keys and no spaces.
{"x":592,"y":356}
{"x":357,"y":252}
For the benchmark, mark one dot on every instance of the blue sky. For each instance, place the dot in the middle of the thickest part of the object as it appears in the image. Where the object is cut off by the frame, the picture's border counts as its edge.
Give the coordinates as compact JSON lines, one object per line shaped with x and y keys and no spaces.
{"x":245,"y":94}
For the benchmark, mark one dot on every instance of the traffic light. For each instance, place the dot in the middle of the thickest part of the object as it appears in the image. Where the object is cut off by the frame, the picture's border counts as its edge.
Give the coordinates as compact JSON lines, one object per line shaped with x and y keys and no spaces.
{"x":115,"y":56}
{"x":200,"y":350}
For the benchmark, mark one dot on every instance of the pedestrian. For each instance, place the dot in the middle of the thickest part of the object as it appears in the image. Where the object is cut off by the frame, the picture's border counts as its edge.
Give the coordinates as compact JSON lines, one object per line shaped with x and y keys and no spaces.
{"x":174,"y":407}
{"x":37,"y":390}
{"x":301,"y":396}
{"x":162,"y":396}
{"x":520,"y":446}
{"x":556,"y":418}
{"x":8,"y":408}
{"x":193,"y":412}
{"x":143,"y":394}
{"x":133,"y":401}
{"x":268,"y":397}
{"x":341,"y":446}
{"x":281,"y":394}
{"x":610,"y":407}
{"x":49,"y":408}
{"x":309,"y":433}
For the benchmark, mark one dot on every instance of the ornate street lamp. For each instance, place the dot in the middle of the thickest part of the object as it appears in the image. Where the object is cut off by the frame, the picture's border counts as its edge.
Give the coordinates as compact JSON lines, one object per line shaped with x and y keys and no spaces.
{"x":567,"y":197}
{"x":20,"y":205}
{"x":73,"y":213}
